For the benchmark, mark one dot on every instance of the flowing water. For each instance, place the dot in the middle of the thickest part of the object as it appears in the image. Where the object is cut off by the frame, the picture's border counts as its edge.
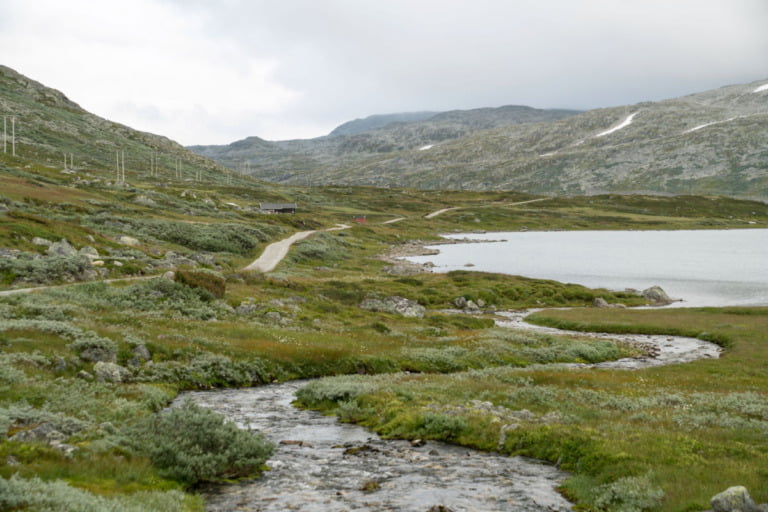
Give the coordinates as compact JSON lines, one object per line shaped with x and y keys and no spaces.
{"x":321,"y":465}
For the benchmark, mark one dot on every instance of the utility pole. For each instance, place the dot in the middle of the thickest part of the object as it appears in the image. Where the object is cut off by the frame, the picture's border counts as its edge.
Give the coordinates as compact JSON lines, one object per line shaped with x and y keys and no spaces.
{"x":13,"y":134}
{"x":5,"y":134}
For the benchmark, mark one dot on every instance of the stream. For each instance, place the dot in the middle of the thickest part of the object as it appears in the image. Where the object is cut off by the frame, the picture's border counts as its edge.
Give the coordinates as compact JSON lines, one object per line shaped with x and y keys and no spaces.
{"x":321,"y":465}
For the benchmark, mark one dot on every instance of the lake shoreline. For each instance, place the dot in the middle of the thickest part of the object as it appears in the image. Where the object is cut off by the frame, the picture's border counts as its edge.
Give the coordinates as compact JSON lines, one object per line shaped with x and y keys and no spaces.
{"x":698,"y":268}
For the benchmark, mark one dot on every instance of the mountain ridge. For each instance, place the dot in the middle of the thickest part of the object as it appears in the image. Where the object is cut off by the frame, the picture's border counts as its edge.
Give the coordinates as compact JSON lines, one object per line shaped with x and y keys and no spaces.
{"x":712,"y":142}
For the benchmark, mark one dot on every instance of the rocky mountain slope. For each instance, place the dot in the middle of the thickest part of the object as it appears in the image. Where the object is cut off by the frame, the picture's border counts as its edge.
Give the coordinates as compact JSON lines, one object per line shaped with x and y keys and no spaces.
{"x":48,"y":125}
{"x":714,"y":142}
{"x":356,"y":143}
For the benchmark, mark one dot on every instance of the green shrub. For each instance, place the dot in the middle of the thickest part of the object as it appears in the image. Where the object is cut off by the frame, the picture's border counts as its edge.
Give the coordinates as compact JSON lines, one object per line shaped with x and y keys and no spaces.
{"x":440,"y":426}
{"x":43,"y":270}
{"x":57,"y":496}
{"x":94,"y":348}
{"x":206,"y":280}
{"x":629,"y":494}
{"x":191,"y":444}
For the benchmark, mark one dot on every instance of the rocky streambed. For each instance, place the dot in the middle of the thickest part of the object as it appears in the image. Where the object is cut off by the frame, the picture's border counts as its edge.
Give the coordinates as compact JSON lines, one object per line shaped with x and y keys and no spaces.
{"x":321,"y":465}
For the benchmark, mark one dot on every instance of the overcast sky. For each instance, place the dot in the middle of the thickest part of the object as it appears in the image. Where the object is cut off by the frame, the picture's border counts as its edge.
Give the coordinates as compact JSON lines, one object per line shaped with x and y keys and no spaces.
{"x":212,"y":72}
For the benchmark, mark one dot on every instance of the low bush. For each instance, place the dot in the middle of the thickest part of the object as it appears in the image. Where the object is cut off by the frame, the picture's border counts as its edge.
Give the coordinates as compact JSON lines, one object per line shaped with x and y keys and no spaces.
{"x":17,"y":493}
{"x":202,"y":279}
{"x":43,"y":270}
{"x":628,"y":494}
{"x":193,"y":444}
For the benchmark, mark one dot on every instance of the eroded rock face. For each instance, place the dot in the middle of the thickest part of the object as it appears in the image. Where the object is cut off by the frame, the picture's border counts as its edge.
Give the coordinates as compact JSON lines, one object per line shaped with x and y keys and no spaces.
{"x":395,"y":304}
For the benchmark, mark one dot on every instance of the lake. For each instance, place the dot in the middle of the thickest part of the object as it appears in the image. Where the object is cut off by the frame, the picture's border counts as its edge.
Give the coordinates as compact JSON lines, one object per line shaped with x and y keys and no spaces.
{"x":703,"y":268}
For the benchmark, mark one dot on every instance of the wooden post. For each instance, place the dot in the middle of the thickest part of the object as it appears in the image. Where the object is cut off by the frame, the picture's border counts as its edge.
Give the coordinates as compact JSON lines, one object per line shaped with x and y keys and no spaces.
{"x":13,"y":134}
{"x":5,"y":134}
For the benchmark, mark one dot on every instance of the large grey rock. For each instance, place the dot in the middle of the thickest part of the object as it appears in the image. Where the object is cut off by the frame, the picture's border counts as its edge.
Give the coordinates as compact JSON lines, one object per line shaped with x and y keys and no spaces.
{"x":61,"y":248}
{"x":45,"y":432}
{"x":395,"y":304}
{"x":657,"y":296}
{"x":111,"y":372}
{"x":734,"y":499}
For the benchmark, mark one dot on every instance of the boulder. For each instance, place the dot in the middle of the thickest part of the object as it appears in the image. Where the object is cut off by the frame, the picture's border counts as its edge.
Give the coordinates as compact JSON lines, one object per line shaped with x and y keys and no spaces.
{"x":657,"y":296}
{"x":399,"y":305}
{"x":61,"y":248}
{"x":44,"y":432}
{"x":205,"y":258}
{"x":111,"y":372}
{"x":145,"y":201}
{"x":127,"y":240}
{"x":246,"y":308}
{"x":734,"y":499}
{"x":89,"y":252}
{"x":43,"y":242}
{"x":460,"y":302}
{"x":601,"y":303}
{"x":141,"y":352}
{"x":471,"y":307}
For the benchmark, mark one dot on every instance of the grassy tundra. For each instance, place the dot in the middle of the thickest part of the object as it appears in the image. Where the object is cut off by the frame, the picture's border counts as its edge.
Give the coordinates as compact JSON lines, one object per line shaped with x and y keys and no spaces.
{"x":661,"y":439}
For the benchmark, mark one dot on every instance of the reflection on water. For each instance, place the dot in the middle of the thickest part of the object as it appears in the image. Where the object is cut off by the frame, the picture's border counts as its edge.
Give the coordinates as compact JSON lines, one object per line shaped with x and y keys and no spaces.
{"x":703,"y":268}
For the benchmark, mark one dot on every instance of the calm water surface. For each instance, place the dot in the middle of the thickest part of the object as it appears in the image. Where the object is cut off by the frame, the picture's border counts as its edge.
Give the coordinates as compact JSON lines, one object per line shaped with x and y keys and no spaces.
{"x":703,"y":268}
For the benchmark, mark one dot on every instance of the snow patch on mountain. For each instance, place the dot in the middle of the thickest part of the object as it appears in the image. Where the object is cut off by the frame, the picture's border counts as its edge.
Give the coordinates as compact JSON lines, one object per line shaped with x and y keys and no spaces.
{"x":761,"y":88}
{"x":428,"y":146}
{"x":623,"y":124}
